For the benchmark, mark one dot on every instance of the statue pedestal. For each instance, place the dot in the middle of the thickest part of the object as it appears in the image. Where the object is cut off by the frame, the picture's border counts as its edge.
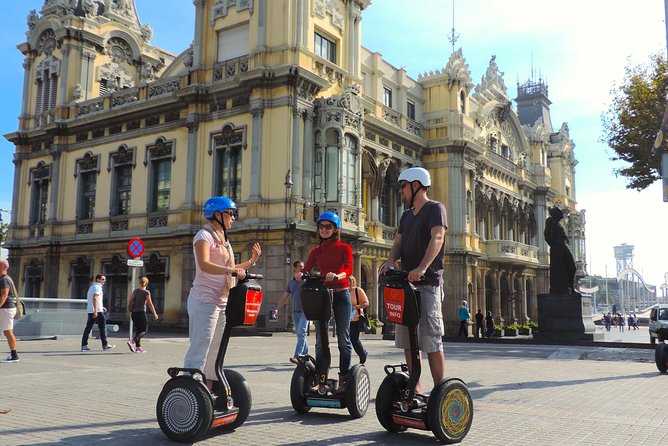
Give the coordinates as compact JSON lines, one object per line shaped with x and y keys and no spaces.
{"x":564,"y":318}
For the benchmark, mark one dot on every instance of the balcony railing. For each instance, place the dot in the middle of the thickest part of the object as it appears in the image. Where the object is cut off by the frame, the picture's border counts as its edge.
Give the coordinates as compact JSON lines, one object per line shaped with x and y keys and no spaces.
{"x":230,"y":68}
{"x":509,"y":251}
{"x":501,"y":161}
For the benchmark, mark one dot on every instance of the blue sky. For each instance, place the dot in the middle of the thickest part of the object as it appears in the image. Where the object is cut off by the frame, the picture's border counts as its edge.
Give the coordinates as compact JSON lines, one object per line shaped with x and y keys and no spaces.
{"x":579,"y":47}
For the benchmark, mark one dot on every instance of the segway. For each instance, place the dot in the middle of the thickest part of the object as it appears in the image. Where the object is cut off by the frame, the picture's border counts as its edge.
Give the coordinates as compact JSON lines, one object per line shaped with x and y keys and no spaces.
{"x":186,"y":408}
{"x":661,"y":357}
{"x":310,"y":385}
{"x":448,"y":410}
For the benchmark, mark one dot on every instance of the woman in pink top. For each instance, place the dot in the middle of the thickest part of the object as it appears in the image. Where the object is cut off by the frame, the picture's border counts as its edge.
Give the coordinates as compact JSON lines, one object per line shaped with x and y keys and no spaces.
{"x":214,"y":266}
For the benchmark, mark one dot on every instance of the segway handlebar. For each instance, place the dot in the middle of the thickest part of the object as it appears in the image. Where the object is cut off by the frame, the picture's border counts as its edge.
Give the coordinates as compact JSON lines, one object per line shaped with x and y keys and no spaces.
{"x":250,"y":276}
{"x":306,"y":276}
{"x":398,"y":274}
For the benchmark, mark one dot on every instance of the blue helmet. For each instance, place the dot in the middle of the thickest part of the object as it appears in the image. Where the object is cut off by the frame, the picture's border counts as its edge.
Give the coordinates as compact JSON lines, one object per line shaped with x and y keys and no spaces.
{"x":217,"y":204}
{"x":330,"y":216}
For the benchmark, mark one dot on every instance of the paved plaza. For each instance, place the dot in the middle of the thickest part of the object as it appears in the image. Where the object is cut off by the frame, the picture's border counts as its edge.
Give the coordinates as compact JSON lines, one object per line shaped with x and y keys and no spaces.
{"x":523,"y":395}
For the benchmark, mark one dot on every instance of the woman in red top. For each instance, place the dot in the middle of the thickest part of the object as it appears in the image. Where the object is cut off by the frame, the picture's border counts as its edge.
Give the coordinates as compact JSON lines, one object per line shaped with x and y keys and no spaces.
{"x":335,"y":260}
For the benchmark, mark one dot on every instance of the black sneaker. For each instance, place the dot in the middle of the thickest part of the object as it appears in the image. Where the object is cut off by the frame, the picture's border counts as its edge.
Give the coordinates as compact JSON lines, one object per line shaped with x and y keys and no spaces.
{"x":109,"y":347}
{"x":11,"y":358}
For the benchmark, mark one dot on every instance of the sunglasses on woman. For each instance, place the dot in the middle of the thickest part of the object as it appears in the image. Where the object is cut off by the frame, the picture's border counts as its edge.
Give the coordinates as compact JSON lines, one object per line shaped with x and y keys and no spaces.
{"x":326,"y":227}
{"x":231,"y":213}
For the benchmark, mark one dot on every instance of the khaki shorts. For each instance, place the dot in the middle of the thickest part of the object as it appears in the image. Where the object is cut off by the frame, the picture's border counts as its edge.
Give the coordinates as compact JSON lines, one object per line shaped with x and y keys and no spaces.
{"x":430,"y":327}
{"x":7,"y":318}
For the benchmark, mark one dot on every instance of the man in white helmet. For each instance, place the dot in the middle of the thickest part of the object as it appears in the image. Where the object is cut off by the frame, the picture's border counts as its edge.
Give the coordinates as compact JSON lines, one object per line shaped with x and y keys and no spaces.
{"x":419,"y":244}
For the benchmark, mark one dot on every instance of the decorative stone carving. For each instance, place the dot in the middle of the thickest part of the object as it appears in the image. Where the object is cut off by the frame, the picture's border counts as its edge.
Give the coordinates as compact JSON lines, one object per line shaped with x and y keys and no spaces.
{"x":46,"y":42}
{"x":322,"y":7}
{"x":32,"y":19}
{"x":116,"y":75}
{"x":189,"y":57}
{"x":219,"y":9}
{"x":146,"y":33}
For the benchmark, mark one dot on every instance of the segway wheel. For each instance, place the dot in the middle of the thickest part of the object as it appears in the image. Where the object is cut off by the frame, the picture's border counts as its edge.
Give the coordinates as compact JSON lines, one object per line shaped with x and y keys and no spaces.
{"x":184,"y":409}
{"x":358,"y":391}
{"x":302,"y":379}
{"x":241,"y":395}
{"x":450,"y":411}
{"x":661,"y":357}
{"x":387,"y":395}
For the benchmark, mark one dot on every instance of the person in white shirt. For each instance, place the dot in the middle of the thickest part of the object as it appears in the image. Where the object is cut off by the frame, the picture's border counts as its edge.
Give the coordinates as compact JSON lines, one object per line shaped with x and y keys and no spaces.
{"x":96,"y":312}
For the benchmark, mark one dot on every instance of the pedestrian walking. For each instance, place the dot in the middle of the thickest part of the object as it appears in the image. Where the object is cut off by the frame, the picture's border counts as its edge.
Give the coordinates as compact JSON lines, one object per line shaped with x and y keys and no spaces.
{"x":138,"y":300}
{"x":464,"y":318}
{"x":298,"y":318}
{"x":359,"y":302}
{"x":207,"y":300}
{"x":96,"y":311}
{"x":420,"y":244}
{"x":635,"y":321}
{"x":620,"y":322}
{"x":489,"y":324}
{"x":8,"y":310}
{"x":479,"y":324}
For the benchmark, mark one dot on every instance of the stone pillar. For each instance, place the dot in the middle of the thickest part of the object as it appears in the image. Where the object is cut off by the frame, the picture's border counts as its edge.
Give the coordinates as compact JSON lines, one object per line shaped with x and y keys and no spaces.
{"x":374,"y":296}
{"x":18,"y":164}
{"x":261,"y":27}
{"x":307,"y":155}
{"x":523,"y":300}
{"x":297,"y":150}
{"x":87,"y":71}
{"x":300,"y":31}
{"x":192,"y":124}
{"x":199,"y":30}
{"x":257,"y":111}
{"x":27,"y":64}
{"x":64,"y":75}
{"x":51,"y":270}
{"x":54,"y":189}
{"x":498,"y":315}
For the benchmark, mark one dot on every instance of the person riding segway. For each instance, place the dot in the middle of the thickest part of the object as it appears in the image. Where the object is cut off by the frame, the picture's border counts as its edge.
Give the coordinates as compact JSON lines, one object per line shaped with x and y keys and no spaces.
{"x":311,"y":386}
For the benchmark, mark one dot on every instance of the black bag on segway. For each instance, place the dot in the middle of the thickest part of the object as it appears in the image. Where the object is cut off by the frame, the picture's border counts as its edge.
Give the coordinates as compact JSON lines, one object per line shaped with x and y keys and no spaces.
{"x":316,"y":300}
{"x":243,"y":303}
{"x":402,"y":301}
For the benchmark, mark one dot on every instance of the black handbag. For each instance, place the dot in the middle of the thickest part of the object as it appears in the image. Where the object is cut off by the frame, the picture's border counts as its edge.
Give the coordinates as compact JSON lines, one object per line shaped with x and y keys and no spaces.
{"x":364,"y":324}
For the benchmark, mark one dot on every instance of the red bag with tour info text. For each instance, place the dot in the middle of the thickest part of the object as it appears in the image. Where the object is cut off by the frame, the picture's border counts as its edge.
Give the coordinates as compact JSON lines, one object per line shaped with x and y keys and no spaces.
{"x":401,"y":300}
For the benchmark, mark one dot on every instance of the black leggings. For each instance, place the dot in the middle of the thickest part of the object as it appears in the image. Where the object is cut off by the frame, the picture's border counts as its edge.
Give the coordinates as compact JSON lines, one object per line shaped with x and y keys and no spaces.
{"x":140,"y":325}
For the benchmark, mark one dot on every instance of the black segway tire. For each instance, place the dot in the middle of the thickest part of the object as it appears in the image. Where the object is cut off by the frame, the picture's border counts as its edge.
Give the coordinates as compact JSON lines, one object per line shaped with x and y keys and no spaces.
{"x":241,"y":396}
{"x":358,"y":391}
{"x":302,"y":378}
{"x":184,"y":409}
{"x":661,"y":357}
{"x":387,"y":395}
{"x":450,"y":411}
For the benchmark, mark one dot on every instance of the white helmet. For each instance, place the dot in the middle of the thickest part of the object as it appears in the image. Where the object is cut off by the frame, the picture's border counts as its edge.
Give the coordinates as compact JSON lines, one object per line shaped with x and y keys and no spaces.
{"x":416,"y":174}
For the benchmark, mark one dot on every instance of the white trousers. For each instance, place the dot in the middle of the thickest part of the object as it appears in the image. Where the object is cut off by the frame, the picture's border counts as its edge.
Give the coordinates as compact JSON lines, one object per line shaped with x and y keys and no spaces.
{"x":206,"y":325}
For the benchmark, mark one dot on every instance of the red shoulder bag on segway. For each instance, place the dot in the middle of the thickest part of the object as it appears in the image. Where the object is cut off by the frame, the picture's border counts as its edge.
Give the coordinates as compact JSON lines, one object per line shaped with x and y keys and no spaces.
{"x":448,"y":410}
{"x":310,"y":385}
{"x":186,"y":409}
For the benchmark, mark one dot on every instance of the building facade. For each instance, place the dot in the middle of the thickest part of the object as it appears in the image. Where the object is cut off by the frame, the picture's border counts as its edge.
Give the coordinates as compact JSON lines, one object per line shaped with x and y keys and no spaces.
{"x":278,"y":105}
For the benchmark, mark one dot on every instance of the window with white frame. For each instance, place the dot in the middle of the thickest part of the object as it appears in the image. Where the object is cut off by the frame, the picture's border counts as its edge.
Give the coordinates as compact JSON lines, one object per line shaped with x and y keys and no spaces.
{"x":410,"y":109}
{"x":349,"y":169}
{"x":325,"y":48}
{"x":387,"y":97}
{"x":160,"y":156}
{"x":123,"y":162}
{"x":39,"y":196}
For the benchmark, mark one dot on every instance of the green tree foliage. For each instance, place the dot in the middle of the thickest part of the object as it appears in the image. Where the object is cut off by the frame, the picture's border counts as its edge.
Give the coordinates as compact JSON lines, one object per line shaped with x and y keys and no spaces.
{"x":631,"y":123}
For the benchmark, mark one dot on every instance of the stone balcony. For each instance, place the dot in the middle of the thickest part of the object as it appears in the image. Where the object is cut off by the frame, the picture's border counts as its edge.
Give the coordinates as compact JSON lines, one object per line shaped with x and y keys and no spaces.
{"x":508,"y":251}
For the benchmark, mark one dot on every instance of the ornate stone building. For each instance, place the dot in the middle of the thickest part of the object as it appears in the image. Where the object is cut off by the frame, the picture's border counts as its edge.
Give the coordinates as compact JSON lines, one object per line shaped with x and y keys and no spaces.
{"x":278,"y":105}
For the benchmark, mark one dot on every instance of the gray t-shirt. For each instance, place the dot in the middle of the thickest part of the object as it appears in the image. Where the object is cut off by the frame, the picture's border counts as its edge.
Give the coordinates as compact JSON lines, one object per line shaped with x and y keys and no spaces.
{"x":5,"y":282}
{"x":295,"y":289}
{"x":415,"y":233}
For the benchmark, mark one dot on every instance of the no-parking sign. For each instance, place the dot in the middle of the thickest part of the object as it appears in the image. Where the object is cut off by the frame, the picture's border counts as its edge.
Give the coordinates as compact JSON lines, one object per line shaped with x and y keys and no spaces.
{"x":135,"y":247}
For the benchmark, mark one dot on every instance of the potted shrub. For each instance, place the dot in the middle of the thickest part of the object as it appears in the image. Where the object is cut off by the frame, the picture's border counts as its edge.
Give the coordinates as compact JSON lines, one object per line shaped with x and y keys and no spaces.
{"x":511,"y":330}
{"x":498,"y":331}
{"x":534,"y":327}
{"x":374,"y":326}
{"x":524,"y":330}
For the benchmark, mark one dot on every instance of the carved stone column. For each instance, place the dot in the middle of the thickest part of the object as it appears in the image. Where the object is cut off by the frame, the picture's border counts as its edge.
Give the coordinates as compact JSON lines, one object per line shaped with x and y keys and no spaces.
{"x":257,"y":111}
{"x":191,"y":160}
{"x":497,"y":298}
{"x":308,"y":149}
{"x":54,"y":187}
{"x":297,"y":150}
{"x":27,"y":64}
{"x":64,"y":74}
{"x":199,"y":30}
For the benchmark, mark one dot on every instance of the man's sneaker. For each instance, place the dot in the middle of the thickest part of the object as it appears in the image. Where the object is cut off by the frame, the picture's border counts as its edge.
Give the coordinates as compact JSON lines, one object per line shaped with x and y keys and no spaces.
{"x":85,"y":348}
{"x":140,"y":350}
{"x":132,"y":346}
{"x":109,"y":347}
{"x":11,"y":358}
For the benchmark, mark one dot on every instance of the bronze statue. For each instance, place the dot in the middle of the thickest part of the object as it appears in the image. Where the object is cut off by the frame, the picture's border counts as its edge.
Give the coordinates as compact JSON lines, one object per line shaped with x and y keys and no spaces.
{"x":562,"y":263}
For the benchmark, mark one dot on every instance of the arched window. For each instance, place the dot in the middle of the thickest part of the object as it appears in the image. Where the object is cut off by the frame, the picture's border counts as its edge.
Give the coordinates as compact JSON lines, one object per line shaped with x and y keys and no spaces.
{"x":462,"y":101}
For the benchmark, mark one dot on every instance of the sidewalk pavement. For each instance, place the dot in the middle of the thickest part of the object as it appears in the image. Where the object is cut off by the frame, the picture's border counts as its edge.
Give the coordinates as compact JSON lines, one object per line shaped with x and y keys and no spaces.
{"x":523,"y":394}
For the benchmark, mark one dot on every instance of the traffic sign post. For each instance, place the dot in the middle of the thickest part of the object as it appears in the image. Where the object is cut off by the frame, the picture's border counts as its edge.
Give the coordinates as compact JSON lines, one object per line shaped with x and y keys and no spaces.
{"x":135,"y":250}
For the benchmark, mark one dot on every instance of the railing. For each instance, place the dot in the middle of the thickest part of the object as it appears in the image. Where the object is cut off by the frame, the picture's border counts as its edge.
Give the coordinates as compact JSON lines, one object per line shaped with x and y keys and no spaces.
{"x":501,"y":161}
{"x":229,"y":68}
{"x":511,"y":251}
